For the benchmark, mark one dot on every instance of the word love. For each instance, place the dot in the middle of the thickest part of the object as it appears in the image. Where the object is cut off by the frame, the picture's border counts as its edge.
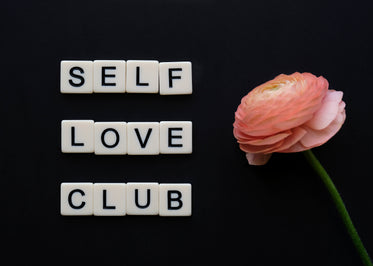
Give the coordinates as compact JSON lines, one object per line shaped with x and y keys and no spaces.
{"x":119,"y":76}
{"x":119,"y":199}
{"x":133,"y":138}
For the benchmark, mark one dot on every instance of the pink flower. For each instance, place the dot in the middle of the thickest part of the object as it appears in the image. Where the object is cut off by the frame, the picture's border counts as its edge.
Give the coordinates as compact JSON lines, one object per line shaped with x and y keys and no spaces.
{"x":290,"y":113}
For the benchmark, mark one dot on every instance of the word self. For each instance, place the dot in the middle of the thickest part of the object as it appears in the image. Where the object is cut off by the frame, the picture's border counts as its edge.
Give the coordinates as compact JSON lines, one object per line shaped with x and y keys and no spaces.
{"x":120,"y":199}
{"x":119,"y":76}
{"x":132,"y":138}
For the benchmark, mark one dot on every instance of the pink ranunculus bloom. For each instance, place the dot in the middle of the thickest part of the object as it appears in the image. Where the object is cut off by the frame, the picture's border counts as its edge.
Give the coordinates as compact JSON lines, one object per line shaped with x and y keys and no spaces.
{"x":290,"y":113}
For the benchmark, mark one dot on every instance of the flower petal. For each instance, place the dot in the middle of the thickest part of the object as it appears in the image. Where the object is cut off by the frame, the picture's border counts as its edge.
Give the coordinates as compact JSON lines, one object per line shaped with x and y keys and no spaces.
{"x":257,"y":158}
{"x":327,"y":112}
{"x":298,"y":134}
{"x":297,"y":147}
{"x":260,"y":148}
{"x":268,"y":140}
{"x":315,"y":138}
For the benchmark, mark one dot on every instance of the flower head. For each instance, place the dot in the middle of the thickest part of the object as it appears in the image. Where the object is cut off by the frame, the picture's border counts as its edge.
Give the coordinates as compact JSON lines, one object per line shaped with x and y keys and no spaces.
{"x":290,"y":113}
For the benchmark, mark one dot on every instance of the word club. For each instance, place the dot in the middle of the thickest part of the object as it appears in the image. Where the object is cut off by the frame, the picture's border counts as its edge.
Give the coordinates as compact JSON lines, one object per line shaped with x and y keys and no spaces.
{"x":119,"y":199}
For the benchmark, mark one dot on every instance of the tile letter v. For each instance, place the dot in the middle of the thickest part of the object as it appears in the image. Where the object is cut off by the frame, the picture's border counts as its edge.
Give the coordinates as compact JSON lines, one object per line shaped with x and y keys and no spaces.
{"x":143,"y":143}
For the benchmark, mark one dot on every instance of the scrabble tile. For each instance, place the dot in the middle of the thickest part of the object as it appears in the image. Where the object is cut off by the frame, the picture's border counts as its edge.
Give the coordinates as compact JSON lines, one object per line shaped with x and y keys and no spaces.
{"x":142,"y":198}
{"x":77,"y":136}
{"x":142,"y":76}
{"x":111,"y":138}
{"x":143,"y":138}
{"x":175,"y":78}
{"x":109,"y":199}
{"x":76,"y":199}
{"x":76,"y":77}
{"x":109,"y":76}
{"x":175,"y":199}
{"x":175,"y":137}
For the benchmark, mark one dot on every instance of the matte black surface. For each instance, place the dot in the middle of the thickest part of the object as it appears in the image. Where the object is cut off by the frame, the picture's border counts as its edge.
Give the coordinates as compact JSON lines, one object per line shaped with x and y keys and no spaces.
{"x":279,"y":214}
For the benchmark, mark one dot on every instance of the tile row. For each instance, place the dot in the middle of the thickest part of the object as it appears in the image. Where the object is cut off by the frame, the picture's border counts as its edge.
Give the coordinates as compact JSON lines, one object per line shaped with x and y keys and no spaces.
{"x":132,"y":138}
{"x":132,"y":76}
{"x":120,"y":199}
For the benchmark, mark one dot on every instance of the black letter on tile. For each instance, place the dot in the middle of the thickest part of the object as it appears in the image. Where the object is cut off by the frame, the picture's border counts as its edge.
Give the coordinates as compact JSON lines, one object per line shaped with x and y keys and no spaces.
{"x":76,"y":76}
{"x":146,"y":205}
{"x":170,"y":77}
{"x":71,"y":201}
{"x":170,"y":136}
{"x":104,"y":75}
{"x":104,"y":205}
{"x":143,"y":143}
{"x":116,"y":138}
{"x":73,"y":143}
{"x":170,"y":198}
{"x":138,"y":83}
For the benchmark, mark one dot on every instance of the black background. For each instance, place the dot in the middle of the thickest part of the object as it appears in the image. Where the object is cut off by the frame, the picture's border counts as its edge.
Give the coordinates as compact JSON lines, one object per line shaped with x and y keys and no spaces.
{"x":278,"y":214}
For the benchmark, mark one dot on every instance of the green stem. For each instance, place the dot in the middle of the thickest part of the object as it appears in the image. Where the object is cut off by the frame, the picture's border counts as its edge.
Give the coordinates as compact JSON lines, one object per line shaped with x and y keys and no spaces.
{"x":314,"y":162}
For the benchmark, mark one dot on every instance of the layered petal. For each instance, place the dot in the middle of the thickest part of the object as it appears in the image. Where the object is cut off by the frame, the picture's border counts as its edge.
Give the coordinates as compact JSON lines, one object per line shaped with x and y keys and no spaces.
{"x":281,"y":104}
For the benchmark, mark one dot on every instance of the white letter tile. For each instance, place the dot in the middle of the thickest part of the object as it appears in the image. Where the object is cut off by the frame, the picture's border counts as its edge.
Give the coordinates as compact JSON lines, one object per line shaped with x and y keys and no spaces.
{"x":175,"y":137}
{"x":110,"y":138}
{"x":77,"y":136}
{"x":142,"y":198}
{"x":143,"y":138}
{"x":76,"y":199}
{"x":175,"y":78}
{"x":142,"y":76}
{"x":175,"y":199}
{"x":109,"y":76}
{"x":109,"y":199}
{"x":76,"y":77}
